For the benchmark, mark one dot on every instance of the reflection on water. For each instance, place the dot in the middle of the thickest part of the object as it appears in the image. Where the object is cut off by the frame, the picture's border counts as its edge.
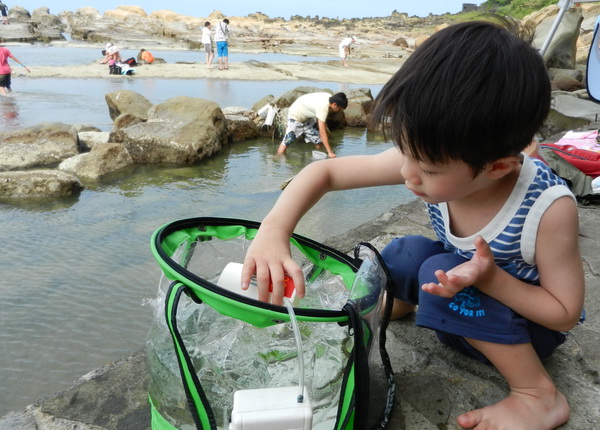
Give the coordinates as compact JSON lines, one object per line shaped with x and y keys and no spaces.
{"x":9,"y":111}
{"x":75,"y":272}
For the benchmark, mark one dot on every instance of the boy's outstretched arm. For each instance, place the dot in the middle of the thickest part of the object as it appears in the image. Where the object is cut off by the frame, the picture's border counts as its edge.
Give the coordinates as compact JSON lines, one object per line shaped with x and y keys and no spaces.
{"x":269,"y":255}
{"x":558,"y":301}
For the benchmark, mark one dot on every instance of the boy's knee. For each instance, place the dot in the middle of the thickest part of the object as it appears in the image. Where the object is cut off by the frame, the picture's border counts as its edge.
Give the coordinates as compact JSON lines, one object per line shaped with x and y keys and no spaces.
{"x":411,"y":247}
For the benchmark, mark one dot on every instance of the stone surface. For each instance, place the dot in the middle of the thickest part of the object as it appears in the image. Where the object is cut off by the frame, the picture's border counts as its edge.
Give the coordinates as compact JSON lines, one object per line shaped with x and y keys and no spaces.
{"x":434,"y":384}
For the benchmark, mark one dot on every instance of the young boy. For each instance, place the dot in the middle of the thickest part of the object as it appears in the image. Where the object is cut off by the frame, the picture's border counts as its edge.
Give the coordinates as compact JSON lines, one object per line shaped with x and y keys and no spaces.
{"x":207,"y":41}
{"x":505,"y":279}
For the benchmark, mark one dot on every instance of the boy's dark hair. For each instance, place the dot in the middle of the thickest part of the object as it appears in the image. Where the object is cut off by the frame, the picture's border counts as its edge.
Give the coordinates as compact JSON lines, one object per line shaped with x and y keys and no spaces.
{"x":473,"y":91}
{"x":339,"y":99}
{"x":207,"y":23}
{"x":226,"y":21}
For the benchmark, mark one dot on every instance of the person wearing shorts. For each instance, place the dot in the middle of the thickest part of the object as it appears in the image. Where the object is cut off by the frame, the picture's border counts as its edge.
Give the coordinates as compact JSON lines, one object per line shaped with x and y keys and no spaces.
{"x":308,"y":115}
{"x":5,"y":70}
{"x":4,"y":12}
{"x":221,"y":36}
{"x":207,"y":41}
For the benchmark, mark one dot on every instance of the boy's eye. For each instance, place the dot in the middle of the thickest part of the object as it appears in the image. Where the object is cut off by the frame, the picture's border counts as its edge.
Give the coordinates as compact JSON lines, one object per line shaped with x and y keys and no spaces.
{"x":429,"y":172}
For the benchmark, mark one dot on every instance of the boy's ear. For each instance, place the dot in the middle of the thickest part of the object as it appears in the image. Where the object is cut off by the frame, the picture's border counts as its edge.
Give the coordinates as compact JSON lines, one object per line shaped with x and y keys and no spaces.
{"x":503,"y":166}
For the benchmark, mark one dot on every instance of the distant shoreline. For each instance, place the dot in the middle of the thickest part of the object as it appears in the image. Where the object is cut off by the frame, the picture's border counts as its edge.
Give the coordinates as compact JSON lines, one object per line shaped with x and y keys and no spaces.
{"x":371,"y":72}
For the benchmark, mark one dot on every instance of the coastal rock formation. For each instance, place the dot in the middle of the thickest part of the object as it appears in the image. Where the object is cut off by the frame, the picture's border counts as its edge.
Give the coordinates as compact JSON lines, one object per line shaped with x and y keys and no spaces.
{"x":240,"y":124}
{"x":100,"y":161}
{"x":561,"y":52}
{"x":46,"y":144}
{"x":129,"y":102}
{"x":182,"y":130}
{"x":38,"y":184}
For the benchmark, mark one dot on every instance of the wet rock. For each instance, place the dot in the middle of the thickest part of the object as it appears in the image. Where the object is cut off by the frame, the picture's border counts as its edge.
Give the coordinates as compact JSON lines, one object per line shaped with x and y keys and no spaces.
{"x":89,"y":139}
{"x":38,"y":184}
{"x":362,"y":96}
{"x":101,"y":160}
{"x":240,"y":123}
{"x":182,"y":130}
{"x":355,"y":115}
{"x":126,"y":101}
{"x":289,"y":97}
{"x":45,"y":144}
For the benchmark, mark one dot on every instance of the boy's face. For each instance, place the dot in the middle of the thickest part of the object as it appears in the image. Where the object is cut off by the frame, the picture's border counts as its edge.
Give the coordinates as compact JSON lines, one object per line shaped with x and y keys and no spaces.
{"x":436,"y":183}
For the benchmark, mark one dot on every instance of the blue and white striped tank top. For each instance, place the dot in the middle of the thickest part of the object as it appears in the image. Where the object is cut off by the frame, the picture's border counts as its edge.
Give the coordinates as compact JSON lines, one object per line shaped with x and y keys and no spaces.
{"x":513,"y":231}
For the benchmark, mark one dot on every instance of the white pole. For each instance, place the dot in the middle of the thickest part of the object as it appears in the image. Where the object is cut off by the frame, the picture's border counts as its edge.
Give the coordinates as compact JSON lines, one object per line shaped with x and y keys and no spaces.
{"x":566,"y":4}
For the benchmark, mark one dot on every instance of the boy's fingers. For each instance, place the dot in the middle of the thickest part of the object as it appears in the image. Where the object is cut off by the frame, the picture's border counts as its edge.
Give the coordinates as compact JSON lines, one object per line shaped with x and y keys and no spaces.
{"x":247,"y":273}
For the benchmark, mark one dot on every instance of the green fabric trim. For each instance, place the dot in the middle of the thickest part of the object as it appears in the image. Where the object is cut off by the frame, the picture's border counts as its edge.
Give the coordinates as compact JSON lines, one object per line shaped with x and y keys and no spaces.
{"x":171,"y":312}
{"x":157,"y":421}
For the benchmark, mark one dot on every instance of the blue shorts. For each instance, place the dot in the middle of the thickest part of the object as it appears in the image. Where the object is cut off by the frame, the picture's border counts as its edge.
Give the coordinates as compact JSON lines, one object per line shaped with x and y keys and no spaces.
{"x":222,"y":49}
{"x":412,"y":262}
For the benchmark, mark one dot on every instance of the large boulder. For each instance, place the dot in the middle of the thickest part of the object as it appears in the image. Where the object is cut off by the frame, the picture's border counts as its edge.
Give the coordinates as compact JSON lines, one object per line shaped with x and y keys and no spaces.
{"x":355,"y":115}
{"x":45,"y":144}
{"x":19,"y":14}
{"x":289,"y":97}
{"x":129,"y":102}
{"x":101,"y":160}
{"x":89,"y":139}
{"x":362,"y":96}
{"x":562,"y":50}
{"x":38,"y":184}
{"x":182,"y":130}
{"x":122,"y":12}
{"x":240,"y":124}
{"x":568,"y":112}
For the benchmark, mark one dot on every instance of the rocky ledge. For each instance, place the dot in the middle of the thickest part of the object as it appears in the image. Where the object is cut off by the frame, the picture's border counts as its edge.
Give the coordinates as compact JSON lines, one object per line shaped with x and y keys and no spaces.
{"x":434,"y":384}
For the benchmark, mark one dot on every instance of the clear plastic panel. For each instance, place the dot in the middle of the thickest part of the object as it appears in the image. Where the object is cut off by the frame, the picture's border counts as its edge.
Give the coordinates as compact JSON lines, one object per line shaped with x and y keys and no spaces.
{"x":230,"y":355}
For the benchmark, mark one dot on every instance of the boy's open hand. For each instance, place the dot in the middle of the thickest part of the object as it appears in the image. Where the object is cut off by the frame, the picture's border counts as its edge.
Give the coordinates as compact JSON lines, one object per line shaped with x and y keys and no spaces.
{"x":269,"y":257}
{"x":478,"y":271}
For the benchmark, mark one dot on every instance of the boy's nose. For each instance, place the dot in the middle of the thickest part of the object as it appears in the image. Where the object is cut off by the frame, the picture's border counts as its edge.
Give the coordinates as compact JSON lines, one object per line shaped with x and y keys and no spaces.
{"x":410,"y":172}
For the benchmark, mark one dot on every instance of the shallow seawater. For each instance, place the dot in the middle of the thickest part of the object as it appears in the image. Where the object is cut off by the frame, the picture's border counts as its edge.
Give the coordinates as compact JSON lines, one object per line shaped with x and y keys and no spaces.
{"x":82,"y":100}
{"x":77,"y":272}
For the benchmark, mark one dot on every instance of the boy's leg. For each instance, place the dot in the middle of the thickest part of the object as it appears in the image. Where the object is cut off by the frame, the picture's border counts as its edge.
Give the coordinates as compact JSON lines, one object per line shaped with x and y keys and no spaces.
{"x":534,"y":403}
{"x":403,"y":258}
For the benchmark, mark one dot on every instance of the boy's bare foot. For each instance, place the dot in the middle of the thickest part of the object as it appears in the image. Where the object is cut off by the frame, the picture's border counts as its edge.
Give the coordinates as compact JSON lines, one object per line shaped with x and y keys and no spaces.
{"x":522,"y":410}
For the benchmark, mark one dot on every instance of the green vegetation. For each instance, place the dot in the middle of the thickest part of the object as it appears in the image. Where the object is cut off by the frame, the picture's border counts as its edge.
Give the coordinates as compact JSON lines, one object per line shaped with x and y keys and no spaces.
{"x":516,"y":8}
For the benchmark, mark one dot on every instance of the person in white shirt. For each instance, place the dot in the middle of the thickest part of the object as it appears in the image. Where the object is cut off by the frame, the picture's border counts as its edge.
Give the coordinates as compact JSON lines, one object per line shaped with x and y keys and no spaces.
{"x":308,"y":115}
{"x":345,"y":48}
{"x":207,"y":41}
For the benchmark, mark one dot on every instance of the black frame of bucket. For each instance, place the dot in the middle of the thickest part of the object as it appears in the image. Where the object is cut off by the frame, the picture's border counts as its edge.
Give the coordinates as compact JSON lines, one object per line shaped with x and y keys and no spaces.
{"x":354,"y":397}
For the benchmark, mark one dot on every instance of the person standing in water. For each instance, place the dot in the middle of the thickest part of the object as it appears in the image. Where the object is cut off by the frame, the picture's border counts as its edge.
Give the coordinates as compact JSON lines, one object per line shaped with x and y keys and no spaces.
{"x":6,"y":71}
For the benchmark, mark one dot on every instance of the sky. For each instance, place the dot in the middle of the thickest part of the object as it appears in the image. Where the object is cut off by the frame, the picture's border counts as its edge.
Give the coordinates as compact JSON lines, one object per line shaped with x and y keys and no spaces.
{"x":273,"y":8}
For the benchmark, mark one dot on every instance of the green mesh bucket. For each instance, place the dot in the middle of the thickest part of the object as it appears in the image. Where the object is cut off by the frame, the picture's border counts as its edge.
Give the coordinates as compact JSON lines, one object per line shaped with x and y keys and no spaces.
{"x":207,"y":342}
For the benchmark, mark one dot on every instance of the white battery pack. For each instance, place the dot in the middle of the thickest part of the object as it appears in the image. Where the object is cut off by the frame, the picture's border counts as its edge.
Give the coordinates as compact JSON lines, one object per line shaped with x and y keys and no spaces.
{"x":231,"y":279}
{"x":271,"y":409}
